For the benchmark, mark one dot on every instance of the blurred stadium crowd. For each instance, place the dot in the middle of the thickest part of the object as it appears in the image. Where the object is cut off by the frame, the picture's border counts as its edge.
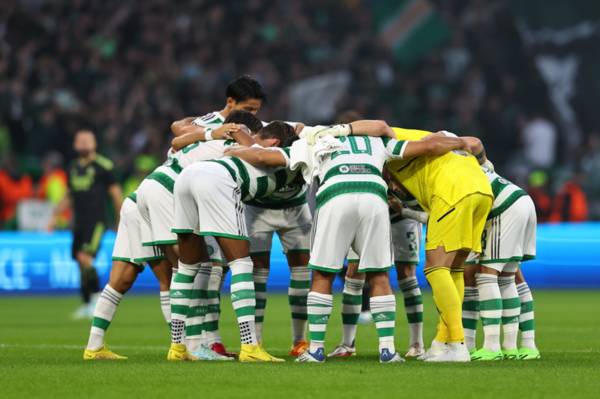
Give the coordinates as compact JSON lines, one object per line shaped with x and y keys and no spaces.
{"x":128,"y":69}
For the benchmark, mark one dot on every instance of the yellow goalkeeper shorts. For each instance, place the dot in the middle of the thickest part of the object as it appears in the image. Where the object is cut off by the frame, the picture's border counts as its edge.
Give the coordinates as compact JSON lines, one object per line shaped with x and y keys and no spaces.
{"x":459,"y":226}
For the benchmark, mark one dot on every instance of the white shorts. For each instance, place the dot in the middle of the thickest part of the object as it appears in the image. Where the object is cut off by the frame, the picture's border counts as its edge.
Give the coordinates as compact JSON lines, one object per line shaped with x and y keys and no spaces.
{"x":357,"y":221}
{"x":155,"y":204}
{"x":128,"y":242}
{"x":292,"y":225}
{"x":208,"y":202}
{"x":406,"y":240}
{"x":509,"y":238}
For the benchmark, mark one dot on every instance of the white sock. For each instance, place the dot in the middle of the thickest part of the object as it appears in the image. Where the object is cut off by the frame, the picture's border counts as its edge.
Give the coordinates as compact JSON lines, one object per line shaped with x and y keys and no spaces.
{"x":383,"y":309}
{"x":211,"y":320}
{"x":181,"y":288}
{"x":261,"y":275}
{"x":511,"y":308}
{"x":165,"y":305}
{"x":490,"y":310}
{"x":243,"y":298}
{"x":106,"y":306}
{"x":297,"y":293}
{"x":527,"y":316}
{"x":413,"y":306}
{"x":319,"y":310}
{"x":470,"y":316}
{"x":351,"y":307}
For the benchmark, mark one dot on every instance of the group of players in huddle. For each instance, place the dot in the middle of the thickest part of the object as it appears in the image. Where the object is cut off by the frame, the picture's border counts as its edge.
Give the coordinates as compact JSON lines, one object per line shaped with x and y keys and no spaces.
{"x":230,"y":181}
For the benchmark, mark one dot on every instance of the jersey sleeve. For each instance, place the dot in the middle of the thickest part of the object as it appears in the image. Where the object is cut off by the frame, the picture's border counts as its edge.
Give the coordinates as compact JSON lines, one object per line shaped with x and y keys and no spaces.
{"x":108,"y":171}
{"x":285,"y":152}
{"x":394,"y":149}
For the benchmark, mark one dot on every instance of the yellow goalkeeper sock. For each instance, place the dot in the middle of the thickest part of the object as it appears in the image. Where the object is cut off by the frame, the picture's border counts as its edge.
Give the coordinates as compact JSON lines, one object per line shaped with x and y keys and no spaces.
{"x":447,"y":300}
{"x":458,"y":277}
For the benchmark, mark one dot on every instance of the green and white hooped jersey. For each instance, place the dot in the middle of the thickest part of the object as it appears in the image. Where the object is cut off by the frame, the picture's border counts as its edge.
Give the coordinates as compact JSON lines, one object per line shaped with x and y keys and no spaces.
{"x":167,"y":173}
{"x":256,"y":183}
{"x":355,"y":168}
{"x":212,"y":119}
{"x":505,"y":193}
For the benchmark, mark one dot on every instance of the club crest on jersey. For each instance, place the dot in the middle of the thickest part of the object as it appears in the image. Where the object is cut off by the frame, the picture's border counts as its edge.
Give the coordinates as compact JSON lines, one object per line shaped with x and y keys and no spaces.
{"x":344,"y":169}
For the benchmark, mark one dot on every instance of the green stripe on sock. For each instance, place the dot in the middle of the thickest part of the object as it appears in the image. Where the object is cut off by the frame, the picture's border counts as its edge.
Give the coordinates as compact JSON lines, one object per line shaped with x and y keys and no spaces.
{"x":348,"y":299}
{"x":490,"y":304}
{"x":183,"y":278}
{"x":471,"y":305}
{"x":300,"y":284}
{"x":510,"y":319}
{"x":528,"y":325}
{"x":511,"y":303}
{"x":487,"y":321}
{"x":385,"y":332}
{"x":259,"y":319}
{"x":413,"y":300}
{"x":245,"y":311}
{"x":262,"y":287}
{"x":100,"y":323}
{"x":179,"y":309}
{"x":413,"y":318}
{"x":350,"y":318}
{"x":242,"y":294}
{"x":317,"y":335}
{"x":299,"y":316}
{"x":526,"y":307}
{"x":211,"y":326}
{"x":470,"y":324}
{"x":297,"y":300}
{"x":242,"y":278}
{"x":194,"y":330}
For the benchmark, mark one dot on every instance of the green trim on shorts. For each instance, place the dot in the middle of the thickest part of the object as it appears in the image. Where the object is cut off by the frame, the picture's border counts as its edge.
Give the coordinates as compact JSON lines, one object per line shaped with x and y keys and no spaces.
{"x":149,"y":258}
{"x":154,"y":243}
{"x":528,"y":257}
{"x":224,"y":235}
{"x":323,"y":269}
{"x":411,"y":261}
{"x":504,"y":260}
{"x":375,"y":269}
{"x":128,"y":260}
{"x":182,"y":231}
{"x":472,"y":262}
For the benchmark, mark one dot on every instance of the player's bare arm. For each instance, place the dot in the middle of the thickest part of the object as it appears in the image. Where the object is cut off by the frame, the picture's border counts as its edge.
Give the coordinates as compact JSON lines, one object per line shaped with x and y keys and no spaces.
{"x":434,"y":146}
{"x":185,"y":125}
{"x":199,"y":133}
{"x":258,"y":156}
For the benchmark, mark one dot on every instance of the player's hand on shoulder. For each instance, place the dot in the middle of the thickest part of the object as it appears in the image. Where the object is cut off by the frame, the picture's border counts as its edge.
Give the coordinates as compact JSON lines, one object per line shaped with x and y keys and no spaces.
{"x":224,"y":131}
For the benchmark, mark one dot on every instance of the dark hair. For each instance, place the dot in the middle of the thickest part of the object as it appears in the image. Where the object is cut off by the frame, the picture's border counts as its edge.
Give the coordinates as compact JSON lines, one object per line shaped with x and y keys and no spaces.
{"x":278,"y":130}
{"x":245,"y":118}
{"x":245,"y":88}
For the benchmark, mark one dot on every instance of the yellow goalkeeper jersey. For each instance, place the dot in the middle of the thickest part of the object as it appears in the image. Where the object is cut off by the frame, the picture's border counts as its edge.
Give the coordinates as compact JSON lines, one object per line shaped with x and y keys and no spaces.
{"x":450,"y":177}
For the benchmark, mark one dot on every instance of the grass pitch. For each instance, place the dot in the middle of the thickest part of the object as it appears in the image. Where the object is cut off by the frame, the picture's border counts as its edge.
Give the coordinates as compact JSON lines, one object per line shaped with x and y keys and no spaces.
{"x":41,"y":349}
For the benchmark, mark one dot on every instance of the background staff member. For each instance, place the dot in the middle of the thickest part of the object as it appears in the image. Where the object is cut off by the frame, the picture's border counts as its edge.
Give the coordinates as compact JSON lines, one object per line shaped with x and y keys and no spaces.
{"x":90,"y":178}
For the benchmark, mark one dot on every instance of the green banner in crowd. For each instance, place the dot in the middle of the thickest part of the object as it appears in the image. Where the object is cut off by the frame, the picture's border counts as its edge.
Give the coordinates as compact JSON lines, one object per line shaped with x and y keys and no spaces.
{"x":411,"y":28}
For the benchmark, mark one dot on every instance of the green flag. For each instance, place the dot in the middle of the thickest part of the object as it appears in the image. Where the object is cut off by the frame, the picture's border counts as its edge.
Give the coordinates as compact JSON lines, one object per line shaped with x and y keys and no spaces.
{"x":410,"y":28}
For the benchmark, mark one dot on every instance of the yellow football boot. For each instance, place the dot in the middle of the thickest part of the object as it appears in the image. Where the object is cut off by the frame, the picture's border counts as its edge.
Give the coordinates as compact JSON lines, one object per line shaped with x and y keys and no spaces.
{"x":179,"y":353}
{"x":255,"y":353}
{"x":102,"y":353}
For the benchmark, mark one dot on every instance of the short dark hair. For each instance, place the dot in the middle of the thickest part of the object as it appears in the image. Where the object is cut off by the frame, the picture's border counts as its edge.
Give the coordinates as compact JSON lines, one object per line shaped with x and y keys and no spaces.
{"x":278,"y":130}
{"x":244,"y":88}
{"x":245,"y":118}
